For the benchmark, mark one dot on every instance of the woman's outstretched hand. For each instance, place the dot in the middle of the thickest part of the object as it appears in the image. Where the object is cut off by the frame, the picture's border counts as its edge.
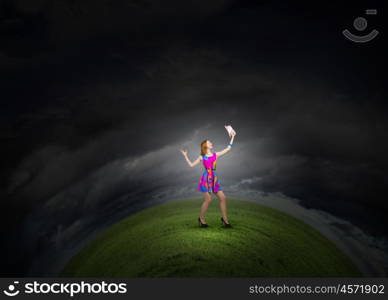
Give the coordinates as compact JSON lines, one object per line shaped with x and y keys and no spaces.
{"x":184,"y":152}
{"x":230,"y":130}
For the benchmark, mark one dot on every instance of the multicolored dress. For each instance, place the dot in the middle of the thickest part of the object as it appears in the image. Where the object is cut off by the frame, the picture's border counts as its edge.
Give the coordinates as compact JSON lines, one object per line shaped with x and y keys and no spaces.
{"x":209,"y":179}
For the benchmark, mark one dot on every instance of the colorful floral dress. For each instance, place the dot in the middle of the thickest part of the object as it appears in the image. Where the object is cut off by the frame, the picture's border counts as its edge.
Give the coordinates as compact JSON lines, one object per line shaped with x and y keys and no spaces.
{"x":209,"y":179}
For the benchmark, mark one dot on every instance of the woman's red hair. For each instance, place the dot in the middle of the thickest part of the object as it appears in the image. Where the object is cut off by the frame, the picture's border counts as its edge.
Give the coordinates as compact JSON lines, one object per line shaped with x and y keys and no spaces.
{"x":204,"y":147}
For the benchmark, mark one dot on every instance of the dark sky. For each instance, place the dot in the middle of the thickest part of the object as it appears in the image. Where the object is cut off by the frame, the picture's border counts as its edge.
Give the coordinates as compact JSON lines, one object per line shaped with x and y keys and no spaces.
{"x":97,"y":97}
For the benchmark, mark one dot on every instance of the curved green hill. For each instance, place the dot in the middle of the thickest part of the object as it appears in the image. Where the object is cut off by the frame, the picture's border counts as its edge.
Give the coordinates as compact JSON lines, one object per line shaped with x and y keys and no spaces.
{"x":165,"y":241}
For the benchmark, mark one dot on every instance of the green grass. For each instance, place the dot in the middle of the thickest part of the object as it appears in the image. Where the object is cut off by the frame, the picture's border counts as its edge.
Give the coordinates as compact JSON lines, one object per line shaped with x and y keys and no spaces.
{"x":165,"y":241}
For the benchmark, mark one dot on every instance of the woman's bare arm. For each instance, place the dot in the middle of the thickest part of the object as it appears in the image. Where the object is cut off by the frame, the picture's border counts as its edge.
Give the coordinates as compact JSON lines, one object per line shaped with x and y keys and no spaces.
{"x":227,"y":149}
{"x":191,"y":164}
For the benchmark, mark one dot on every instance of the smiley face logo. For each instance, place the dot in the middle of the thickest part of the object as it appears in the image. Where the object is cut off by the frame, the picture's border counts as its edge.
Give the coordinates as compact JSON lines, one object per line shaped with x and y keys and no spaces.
{"x":12,"y":291}
{"x":361,"y":24}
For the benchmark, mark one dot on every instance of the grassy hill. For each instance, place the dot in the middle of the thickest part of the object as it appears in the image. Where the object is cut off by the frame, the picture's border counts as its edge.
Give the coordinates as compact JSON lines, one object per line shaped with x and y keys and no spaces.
{"x":165,"y":241}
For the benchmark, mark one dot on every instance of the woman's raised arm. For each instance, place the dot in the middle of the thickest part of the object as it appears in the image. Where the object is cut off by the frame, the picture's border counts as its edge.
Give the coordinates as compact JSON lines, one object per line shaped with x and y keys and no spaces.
{"x":227,"y":149}
{"x":191,"y":164}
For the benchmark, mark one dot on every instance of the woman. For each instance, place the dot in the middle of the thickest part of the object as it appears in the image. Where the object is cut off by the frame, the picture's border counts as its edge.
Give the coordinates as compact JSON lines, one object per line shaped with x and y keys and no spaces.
{"x":209,"y":180}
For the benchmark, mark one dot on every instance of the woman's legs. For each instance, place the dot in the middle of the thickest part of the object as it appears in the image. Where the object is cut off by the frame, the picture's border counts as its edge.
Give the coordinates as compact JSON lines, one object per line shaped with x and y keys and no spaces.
{"x":205,"y":205}
{"x":221,"y":196}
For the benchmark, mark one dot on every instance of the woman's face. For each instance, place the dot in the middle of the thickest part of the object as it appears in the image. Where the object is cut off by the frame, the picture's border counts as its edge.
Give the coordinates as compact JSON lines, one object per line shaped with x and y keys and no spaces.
{"x":209,"y":145}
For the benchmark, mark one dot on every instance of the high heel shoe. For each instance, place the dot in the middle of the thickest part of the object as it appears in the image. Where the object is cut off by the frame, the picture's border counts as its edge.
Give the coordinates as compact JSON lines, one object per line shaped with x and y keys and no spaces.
{"x":226,"y":225}
{"x":202,"y":224}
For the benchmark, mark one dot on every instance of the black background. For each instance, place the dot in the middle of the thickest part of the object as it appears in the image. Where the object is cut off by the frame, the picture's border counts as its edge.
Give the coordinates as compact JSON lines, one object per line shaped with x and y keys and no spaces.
{"x":88,"y":83}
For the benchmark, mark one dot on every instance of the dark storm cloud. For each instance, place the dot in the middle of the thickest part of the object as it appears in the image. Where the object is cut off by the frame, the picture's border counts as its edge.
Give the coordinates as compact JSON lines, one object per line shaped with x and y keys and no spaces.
{"x":43,"y":24}
{"x":101,"y":97}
